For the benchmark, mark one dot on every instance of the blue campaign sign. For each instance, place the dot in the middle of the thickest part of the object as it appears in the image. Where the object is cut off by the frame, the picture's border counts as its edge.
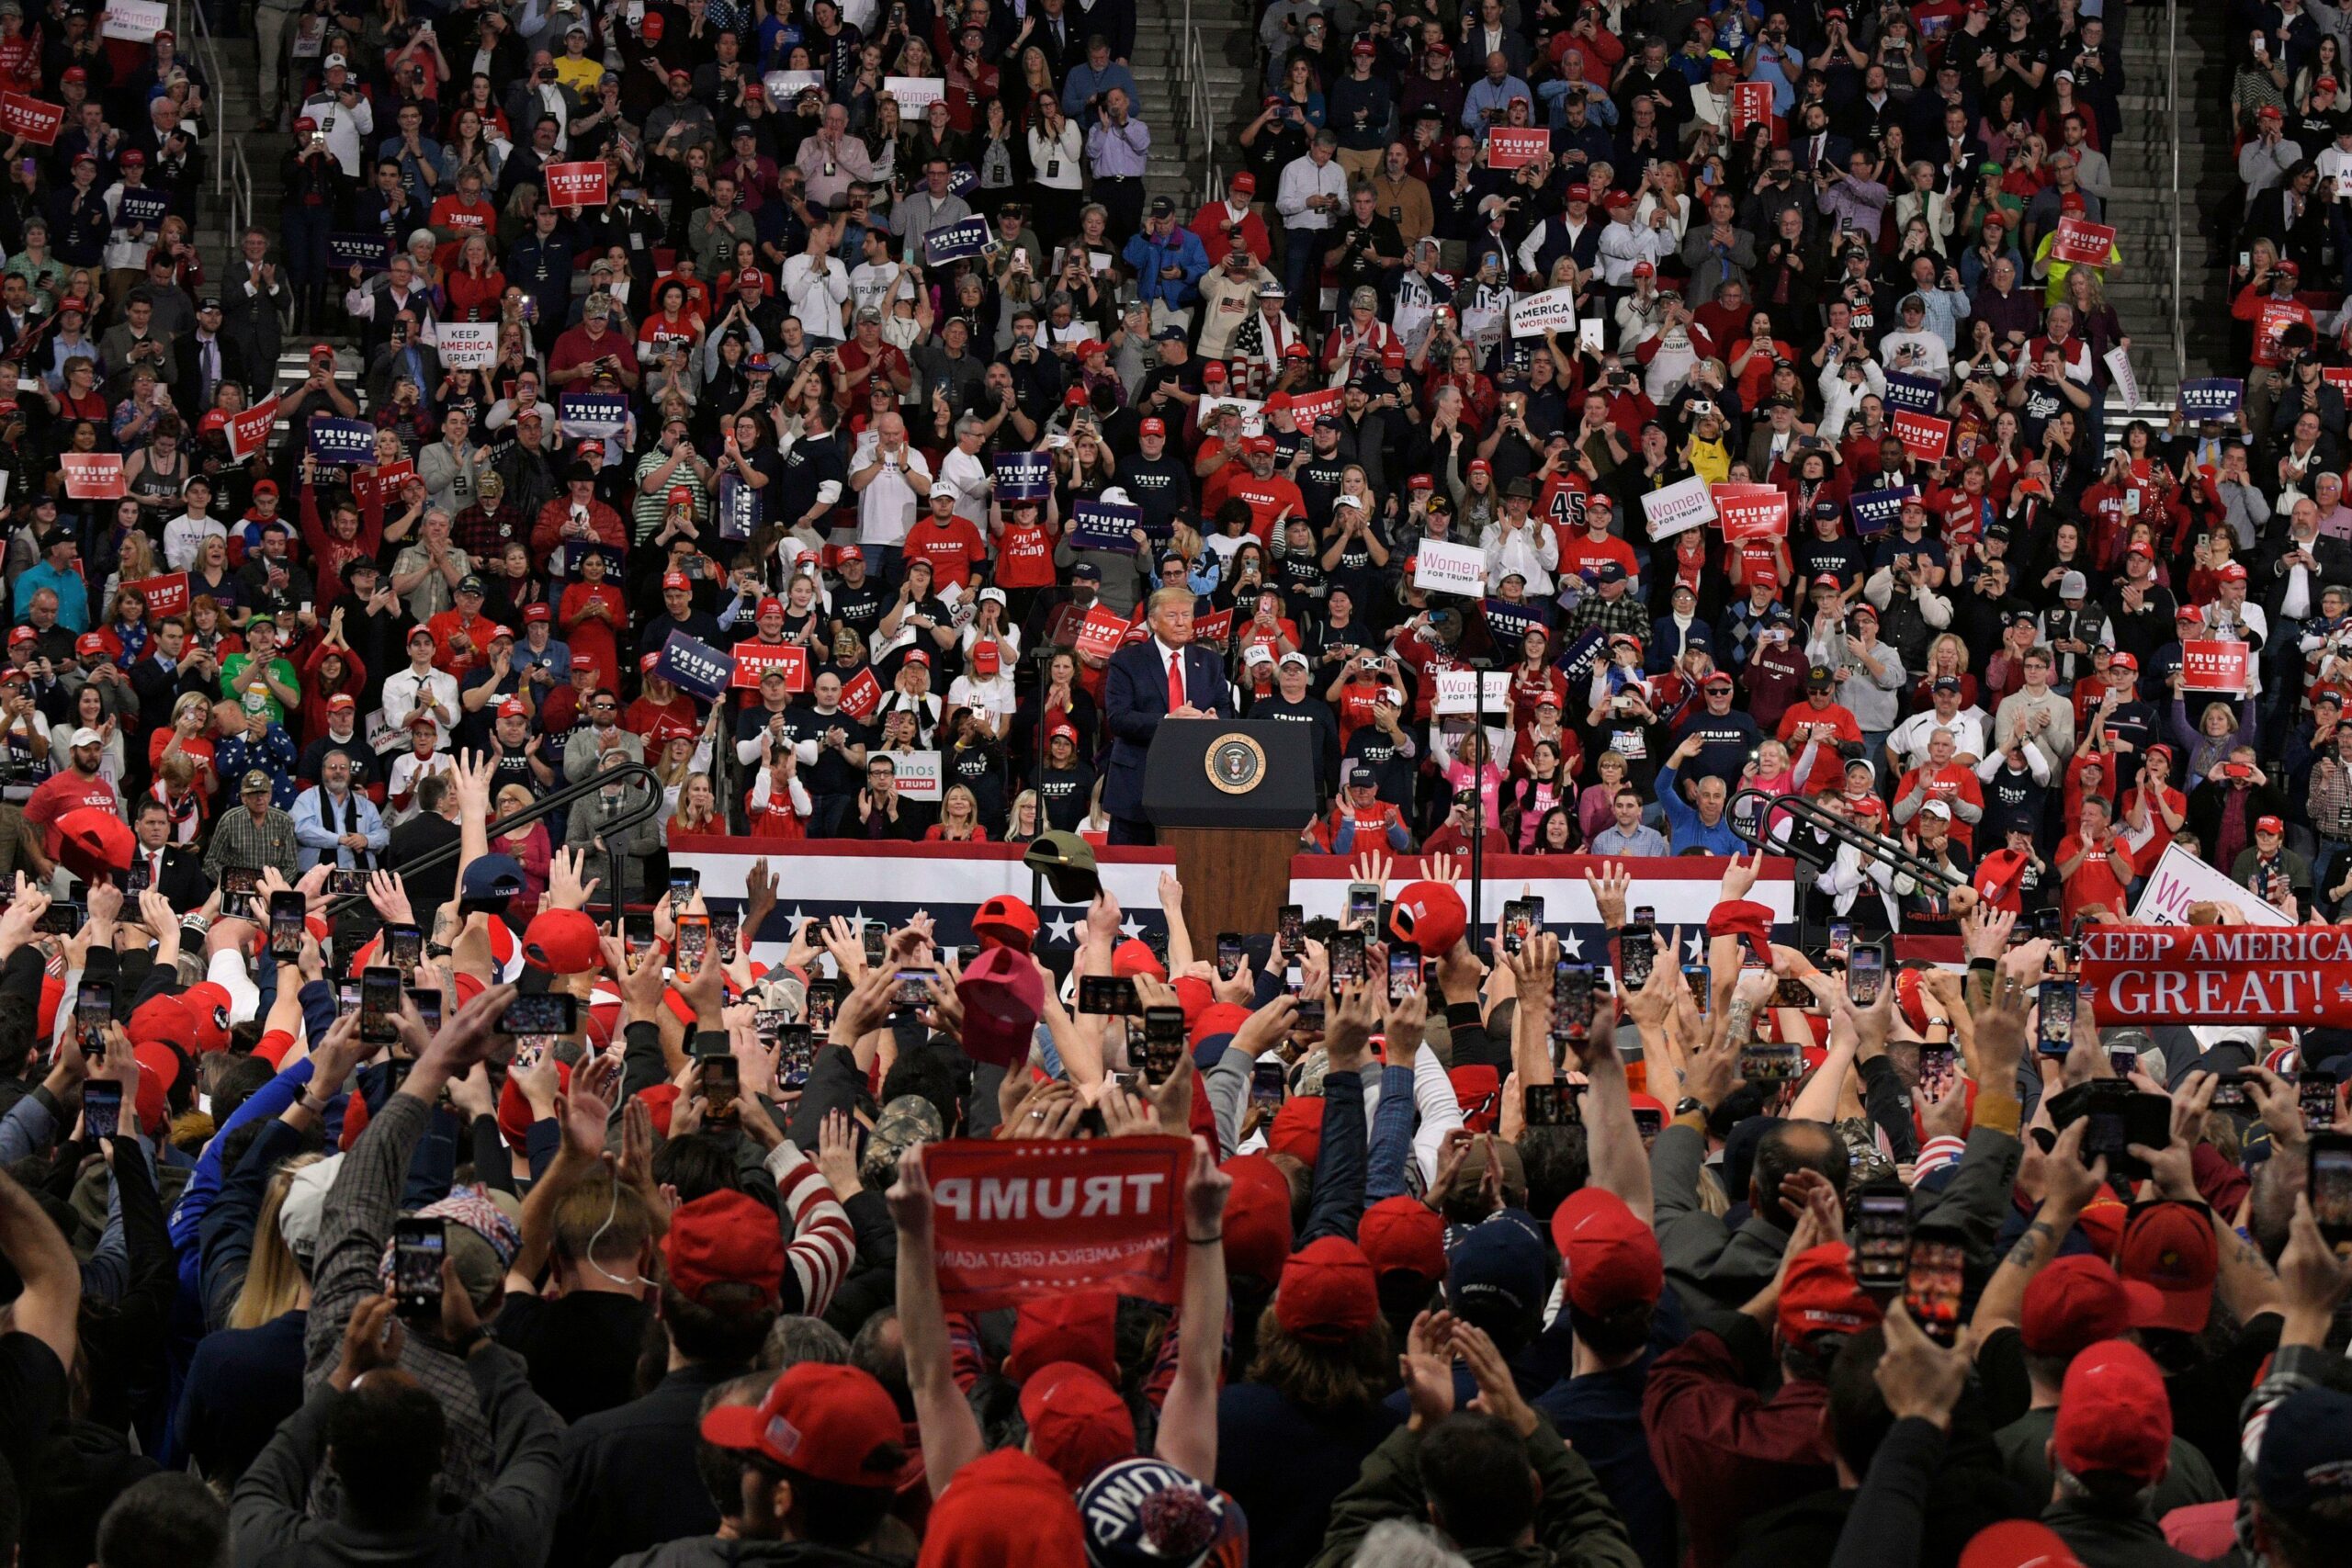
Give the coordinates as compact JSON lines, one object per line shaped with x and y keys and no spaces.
{"x":695,"y":667}
{"x":1506,"y":621}
{"x":368,"y":252}
{"x":146,"y":207}
{"x":963,"y":180}
{"x":954,"y":241}
{"x":2215,"y":397}
{"x":1914,"y":394}
{"x":599,"y":415}
{"x":737,"y":507}
{"x":1024,"y":476}
{"x":1105,"y":525}
{"x":1575,"y":662}
{"x":342,"y":443}
{"x":1875,"y":510}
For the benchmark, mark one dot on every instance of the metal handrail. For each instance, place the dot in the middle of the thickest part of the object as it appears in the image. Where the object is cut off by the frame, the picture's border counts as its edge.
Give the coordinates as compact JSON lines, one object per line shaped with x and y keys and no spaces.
{"x":188,"y":22}
{"x":1192,"y":64}
{"x":553,"y":801}
{"x":2172,"y":117}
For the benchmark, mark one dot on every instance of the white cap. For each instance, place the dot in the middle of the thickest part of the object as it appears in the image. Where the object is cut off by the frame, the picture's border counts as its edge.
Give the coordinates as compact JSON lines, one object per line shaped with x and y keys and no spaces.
{"x":1935,"y":807}
{"x":941,"y":487}
{"x":305,"y":1207}
{"x":86,"y":735}
{"x":1115,"y":496}
{"x":334,"y":60}
{"x":990,"y":594}
{"x":1293,"y":657}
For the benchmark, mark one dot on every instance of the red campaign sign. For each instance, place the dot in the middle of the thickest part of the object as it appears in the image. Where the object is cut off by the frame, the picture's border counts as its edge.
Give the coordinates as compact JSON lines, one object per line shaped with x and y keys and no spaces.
{"x":2271,"y":324}
{"x":1751,"y":510}
{"x":2219,"y":973}
{"x":2080,"y":242}
{"x":2208,"y":665}
{"x":31,"y":119}
{"x":165,"y":595}
{"x":862,"y":695}
{"x":1305,"y":408}
{"x":1101,"y":633}
{"x":1215,"y":629}
{"x":754,"y":659}
{"x":249,"y":431}
{"x":1751,"y":104}
{"x":93,"y":476}
{"x":1509,"y":148}
{"x":576,"y":185}
{"x":1013,"y":1221}
{"x":2338,"y":376}
{"x":1923,"y":436}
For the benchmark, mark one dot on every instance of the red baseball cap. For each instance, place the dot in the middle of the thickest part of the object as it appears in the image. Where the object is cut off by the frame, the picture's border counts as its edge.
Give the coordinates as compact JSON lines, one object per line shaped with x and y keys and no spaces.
{"x":676,"y":579}
{"x":2114,"y":1416}
{"x":1258,"y":445}
{"x":563,"y":942}
{"x":1328,"y":1292}
{"x":1007,"y":920}
{"x":723,"y":1237}
{"x":1818,"y":1295}
{"x":2170,"y":1245}
{"x":1430,"y":916}
{"x":1244,"y":182}
{"x":2124,"y":660}
{"x":2231,"y":571}
{"x":2078,"y":1301}
{"x":2017,"y":1543}
{"x":1077,"y":1421}
{"x":1610,"y":1257}
{"x":540,"y":612}
{"x":830,"y":1422}
{"x":1152,"y":427}
{"x":1072,"y":1326}
{"x":1403,"y":1234}
{"x":2268,"y":825}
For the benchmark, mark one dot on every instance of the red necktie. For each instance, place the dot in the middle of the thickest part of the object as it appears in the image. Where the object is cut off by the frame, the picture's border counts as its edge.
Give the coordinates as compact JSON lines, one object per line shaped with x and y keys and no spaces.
{"x":1176,"y":679}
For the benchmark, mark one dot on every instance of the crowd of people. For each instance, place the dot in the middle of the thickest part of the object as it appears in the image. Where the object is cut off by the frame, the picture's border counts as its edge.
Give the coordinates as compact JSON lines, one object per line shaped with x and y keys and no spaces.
{"x":602,"y":1236}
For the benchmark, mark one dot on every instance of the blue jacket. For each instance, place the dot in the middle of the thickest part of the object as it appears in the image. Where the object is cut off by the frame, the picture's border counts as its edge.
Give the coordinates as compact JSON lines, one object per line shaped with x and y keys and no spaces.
{"x":1690,"y":833}
{"x":1180,"y":248}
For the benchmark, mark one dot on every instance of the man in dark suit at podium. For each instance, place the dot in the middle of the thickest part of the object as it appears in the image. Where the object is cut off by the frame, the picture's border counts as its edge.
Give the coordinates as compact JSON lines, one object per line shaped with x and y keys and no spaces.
{"x":1164,"y":676}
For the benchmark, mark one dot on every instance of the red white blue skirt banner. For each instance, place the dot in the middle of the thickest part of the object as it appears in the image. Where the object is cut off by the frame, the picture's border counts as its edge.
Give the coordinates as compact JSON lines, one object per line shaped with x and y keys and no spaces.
{"x":889,"y":882}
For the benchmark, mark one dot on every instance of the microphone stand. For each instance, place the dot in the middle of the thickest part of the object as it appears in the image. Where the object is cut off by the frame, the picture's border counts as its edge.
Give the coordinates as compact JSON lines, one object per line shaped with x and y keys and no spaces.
{"x":1478,"y":668}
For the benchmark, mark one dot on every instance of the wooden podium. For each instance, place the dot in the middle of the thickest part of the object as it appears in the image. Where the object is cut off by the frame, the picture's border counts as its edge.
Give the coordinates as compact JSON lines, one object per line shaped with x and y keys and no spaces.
{"x":1230,"y":796}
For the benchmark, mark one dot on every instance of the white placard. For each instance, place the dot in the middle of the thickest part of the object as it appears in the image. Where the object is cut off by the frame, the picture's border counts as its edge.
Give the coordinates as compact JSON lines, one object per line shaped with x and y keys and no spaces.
{"x":137,"y":21}
{"x":468,"y":345}
{"x":917,"y":772}
{"x":1446,"y":568}
{"x":1456,"y":694}
{"x":1682,"y":505}
{"x":1553,"y":311}
{"x":1589,"y":334}
{"x":2181,"y":879}
{"x":2127,"y":383}
{"x":915,"y":93}
{"x":1253,"y":413}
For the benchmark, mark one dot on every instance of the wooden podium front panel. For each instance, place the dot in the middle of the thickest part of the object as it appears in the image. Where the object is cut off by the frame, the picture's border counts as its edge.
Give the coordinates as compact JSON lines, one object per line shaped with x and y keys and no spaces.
{"x":1235,"y":879}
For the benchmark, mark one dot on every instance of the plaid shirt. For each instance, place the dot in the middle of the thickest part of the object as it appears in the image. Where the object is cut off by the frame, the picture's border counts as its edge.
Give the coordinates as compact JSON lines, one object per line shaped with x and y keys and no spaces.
{"x":239,"y":840}
{"x":484,"y":532}
{"x":1623,"y":614}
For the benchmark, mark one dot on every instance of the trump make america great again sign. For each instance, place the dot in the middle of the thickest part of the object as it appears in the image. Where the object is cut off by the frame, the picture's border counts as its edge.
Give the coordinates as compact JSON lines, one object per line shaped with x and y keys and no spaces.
{"x":1012,"y":1221}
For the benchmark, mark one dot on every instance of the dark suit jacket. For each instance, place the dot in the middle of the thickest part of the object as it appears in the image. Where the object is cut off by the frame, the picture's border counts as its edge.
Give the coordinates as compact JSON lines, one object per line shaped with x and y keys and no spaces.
{"x":183,"y":881}
{"x":187,"y":382}
{"x":1135,"y":700}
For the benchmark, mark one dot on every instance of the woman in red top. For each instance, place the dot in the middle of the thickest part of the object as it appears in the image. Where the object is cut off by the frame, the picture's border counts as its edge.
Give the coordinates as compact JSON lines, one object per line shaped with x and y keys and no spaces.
{"x":2153,"y":809}
{"x":669,"y":323}
{"x":471,"y":289}
{"x":959,"y":820}
{"x":589,"y":610}
{"x":332,"y":670}
{"x":1752,"y":359}
{"x":697,"y":809}
{"x":778,"y":804}
{"x":1461,"y":372}
{"x":81,"y":399}
{"x":1023,"y":532}
{"x":189,"y":736}
{"x":1533,"y":679}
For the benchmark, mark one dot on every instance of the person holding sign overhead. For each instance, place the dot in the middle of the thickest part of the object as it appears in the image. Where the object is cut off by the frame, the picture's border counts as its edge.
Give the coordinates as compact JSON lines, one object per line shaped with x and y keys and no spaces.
{"x":1164,"y":676}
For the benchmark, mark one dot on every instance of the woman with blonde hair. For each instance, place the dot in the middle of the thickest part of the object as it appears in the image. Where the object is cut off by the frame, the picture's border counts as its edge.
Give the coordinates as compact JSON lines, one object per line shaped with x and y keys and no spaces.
{"x":697,"y":807}
{"x":1023,"y":823}
{"x":959,"y":820}
{"x":531,"y":845}
{"x":1948,"y":655}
